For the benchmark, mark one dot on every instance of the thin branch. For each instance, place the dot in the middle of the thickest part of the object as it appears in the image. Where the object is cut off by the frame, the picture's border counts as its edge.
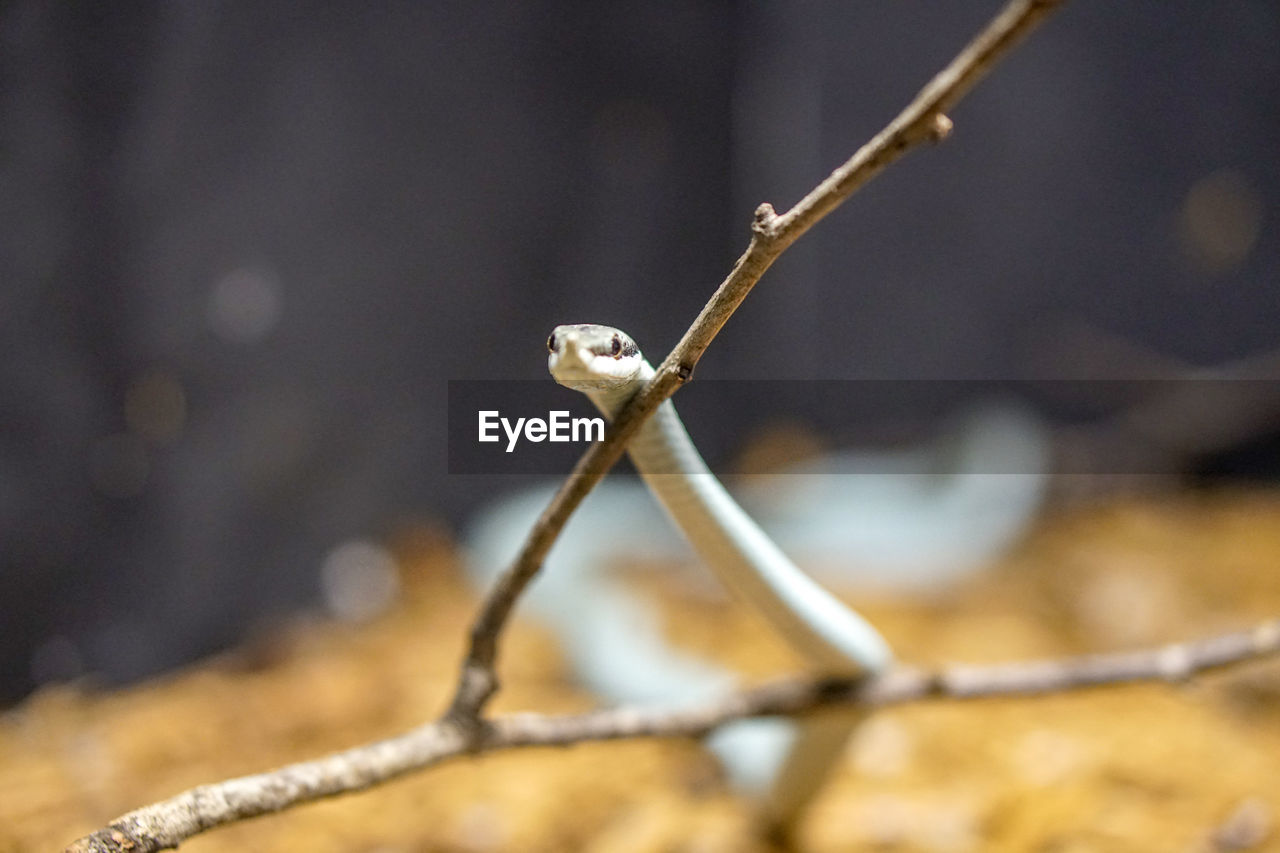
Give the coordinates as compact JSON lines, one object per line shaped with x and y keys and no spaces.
{"x":462,"y":730}
{"x":165,"y":824}
{"x":923,"y":120}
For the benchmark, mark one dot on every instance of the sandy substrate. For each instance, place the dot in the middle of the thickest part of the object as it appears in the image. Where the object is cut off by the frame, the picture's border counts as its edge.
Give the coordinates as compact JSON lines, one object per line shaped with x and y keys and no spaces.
{"x":1188,"y":768}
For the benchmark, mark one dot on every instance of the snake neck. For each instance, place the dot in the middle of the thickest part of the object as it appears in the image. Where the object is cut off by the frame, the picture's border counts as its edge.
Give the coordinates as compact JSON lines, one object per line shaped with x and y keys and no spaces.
{"x":734,"y":546}
{"x":611,"y":400}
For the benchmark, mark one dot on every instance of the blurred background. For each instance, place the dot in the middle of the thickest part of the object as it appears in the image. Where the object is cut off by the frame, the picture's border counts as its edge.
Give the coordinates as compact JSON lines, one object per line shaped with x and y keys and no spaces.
{"x":243,"y":248}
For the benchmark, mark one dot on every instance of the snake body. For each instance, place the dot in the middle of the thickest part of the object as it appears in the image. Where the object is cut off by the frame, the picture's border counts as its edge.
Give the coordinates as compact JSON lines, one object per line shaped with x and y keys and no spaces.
{"x":607,"y":366}
{"x":908,"y":523}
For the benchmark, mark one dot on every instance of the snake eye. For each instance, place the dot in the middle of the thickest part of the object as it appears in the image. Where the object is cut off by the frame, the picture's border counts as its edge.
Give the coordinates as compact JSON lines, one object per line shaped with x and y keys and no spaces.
{"x":615,"y":347}
{"x":551,"y":343}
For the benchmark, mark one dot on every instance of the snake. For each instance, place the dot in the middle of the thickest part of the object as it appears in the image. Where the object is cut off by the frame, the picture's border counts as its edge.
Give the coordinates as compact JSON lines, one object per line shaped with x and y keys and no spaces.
{"x":607,"y":366}
{"x":909,"y":521}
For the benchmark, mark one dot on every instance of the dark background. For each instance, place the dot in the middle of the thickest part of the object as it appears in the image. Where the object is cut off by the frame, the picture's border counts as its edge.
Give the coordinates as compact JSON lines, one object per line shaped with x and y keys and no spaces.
{"x":244,"y":246}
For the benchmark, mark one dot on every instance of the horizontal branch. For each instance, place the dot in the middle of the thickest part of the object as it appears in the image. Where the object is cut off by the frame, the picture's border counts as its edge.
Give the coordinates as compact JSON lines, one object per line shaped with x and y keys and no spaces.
{"x":165,"y":824}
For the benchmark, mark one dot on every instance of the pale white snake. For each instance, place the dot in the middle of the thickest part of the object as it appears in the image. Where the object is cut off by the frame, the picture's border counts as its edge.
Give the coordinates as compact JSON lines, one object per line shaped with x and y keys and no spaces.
{"x":887,"y":522}
{"x":607,"y":366}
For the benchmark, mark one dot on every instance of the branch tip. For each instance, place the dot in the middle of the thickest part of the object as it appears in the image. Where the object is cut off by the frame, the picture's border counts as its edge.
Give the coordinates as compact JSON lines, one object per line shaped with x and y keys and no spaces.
{"x":763,"y":220}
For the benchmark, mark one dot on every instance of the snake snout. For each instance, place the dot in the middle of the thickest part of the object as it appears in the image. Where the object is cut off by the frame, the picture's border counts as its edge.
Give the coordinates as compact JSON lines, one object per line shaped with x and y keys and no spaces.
{"x":574,"y":355}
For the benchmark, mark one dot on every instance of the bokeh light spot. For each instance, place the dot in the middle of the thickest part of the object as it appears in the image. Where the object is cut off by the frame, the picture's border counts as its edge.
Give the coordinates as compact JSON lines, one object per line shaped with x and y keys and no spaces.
{"x":359,"y":580}
{"x":244,"y":305}
{"x":1221,"y":220}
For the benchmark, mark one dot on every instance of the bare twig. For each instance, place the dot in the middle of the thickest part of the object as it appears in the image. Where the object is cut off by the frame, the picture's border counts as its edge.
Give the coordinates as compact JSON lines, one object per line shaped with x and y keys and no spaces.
{"x":923,"y":120}
{"x":462,"y":729}
{"x":165,"y":824}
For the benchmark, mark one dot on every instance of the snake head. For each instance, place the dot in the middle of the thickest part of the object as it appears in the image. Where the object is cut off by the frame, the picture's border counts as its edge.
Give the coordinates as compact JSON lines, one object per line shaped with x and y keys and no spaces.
{"x":588,"y":357}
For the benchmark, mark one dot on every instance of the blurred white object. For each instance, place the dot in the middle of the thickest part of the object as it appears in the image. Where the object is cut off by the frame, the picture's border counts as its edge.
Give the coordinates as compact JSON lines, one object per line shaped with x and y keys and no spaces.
{"x":914,"y":520}
{"x":359,"y":580}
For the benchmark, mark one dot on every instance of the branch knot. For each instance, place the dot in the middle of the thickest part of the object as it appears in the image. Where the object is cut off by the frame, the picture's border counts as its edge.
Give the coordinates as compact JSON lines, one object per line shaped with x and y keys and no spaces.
{"x":940,"y":127}
{"x":763,"y":220}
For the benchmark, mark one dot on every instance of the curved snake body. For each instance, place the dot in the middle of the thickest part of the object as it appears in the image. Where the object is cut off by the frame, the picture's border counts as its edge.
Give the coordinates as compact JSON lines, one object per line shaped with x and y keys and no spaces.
{"x":907,"y":529}
{"x":723,"y":535}
{"x":606,"y":365}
